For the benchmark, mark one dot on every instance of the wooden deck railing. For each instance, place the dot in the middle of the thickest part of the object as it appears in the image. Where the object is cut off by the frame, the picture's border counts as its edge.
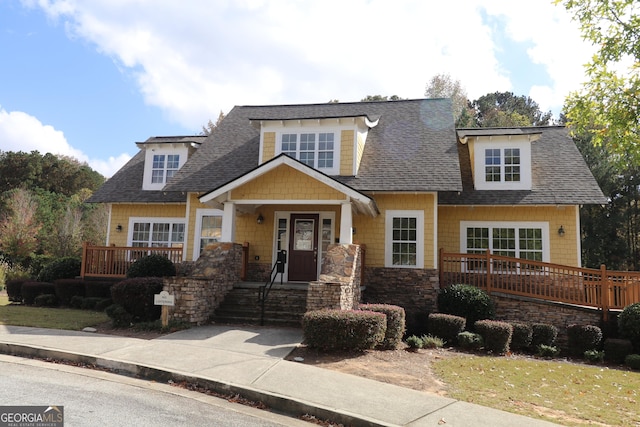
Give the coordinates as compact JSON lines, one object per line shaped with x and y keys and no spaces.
{"x":599,"y":288}
{"x":113,"y":262}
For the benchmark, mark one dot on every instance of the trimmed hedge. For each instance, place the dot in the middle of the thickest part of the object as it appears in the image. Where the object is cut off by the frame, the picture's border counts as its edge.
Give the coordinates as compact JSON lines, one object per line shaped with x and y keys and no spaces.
{"x":46,"y":300}
{"x":496,"y":335}
{"x":14,"y":289}
{"x":521,"y":337}
{"x":343,"y":329}
{"x":154,"y":265}
{"x":67,"y":289}
{"x":62,"y":268}
{"x":120,"y":318}
{"x":615,"y":349}
{"x":629,"y":324}
{"x":543,"y":334}
{"x":97,"y":289}
{"x":583,"y":338}
{"x":31,"y":290}
{"x":466,"y":301}
{"x":445,"y":326}
{"x":136,"y":297}
{"x":395,"y":323}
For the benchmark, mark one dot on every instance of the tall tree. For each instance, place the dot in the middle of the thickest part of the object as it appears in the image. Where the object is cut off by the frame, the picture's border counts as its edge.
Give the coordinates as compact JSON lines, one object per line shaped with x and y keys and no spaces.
{"x":444,"y":86}
{"x":504,"y":109}
{"x":19,"y":225}
{"x":608,"y":105}
{"x":373,"y":98}
{"x":208,"y":129}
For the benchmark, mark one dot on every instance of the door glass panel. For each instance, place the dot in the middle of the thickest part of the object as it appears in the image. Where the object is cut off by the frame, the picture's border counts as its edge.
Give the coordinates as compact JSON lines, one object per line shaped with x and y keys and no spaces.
{"x":326,"y":234}
{"x":303,"y":233}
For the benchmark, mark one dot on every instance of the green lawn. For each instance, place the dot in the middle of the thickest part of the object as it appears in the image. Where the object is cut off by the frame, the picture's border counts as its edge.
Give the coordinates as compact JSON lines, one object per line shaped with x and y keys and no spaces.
{"x":566,"y":393}
{"x":41,"y":317}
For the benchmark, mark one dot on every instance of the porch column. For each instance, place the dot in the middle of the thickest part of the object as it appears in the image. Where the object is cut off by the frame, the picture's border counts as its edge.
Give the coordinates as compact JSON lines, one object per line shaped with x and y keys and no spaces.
{"x":346,"y":224}
{"x":228,"y":223}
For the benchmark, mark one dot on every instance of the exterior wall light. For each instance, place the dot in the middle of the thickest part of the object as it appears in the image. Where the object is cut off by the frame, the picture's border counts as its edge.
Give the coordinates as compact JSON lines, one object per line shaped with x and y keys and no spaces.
{"x":260,"y":219}
{"x":561,"y":231}
{"x":119,"y":228}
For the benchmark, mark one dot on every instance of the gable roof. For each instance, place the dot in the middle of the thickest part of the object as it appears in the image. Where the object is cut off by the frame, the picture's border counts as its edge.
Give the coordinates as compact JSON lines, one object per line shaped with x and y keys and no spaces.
{"x":362,"y":202}
{"x":560,"y":175}
{"x":412,"y":140}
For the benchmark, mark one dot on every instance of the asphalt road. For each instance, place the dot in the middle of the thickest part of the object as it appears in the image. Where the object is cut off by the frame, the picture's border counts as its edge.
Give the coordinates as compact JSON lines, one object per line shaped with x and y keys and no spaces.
{"x":95,"y":398}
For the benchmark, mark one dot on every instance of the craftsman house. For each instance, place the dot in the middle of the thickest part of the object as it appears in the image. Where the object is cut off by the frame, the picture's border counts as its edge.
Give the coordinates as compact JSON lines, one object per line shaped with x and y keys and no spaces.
{"x":396,"y":177}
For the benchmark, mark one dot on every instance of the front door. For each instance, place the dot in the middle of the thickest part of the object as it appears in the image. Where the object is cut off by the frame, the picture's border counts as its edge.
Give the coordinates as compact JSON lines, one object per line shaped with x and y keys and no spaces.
{"x":303,"y":247}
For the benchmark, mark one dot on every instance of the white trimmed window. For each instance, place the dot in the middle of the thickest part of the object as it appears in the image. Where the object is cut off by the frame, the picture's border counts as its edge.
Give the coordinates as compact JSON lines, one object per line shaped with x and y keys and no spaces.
{"x":318,"y":150}
{"x":164,"y":167}
{"x":208,"y":229}
{"x":526,"y":240}
{"x":156,"y":232}
{"x":404,"y":239}
{"x":502,"y":165}
{"x":160,"y":164}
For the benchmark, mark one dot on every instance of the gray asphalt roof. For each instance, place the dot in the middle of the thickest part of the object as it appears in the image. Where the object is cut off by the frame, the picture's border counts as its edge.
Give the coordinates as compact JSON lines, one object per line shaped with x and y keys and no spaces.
{"x":560,"y":175}
{"x":413,"y":148}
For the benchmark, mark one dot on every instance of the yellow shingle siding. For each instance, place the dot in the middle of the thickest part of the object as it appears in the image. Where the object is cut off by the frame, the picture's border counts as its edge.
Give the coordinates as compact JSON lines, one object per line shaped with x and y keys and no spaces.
{"x":285,"y":183}
{"x":563,"y":250}
{"x":371,"y":231}
{"x":347,"y":138}
{"x":268,"y":146}
{"x":120,"y":214}
{"x":361,"y":140}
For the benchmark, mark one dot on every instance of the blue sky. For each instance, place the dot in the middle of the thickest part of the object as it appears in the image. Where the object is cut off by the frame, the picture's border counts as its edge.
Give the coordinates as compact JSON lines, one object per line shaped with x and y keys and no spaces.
{"x":89,"y":78}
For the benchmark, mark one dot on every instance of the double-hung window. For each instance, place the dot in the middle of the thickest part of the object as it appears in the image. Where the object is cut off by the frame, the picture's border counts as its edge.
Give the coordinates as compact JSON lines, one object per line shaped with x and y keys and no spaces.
{"x":164,"y":167}
{"x":502,"y":165}
{"x":315,"y":149}
{"x":404,"y":239}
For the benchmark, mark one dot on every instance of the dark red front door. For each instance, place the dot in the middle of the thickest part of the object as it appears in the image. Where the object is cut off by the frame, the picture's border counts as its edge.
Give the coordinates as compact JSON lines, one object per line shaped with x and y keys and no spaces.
{"x":303,"y":247}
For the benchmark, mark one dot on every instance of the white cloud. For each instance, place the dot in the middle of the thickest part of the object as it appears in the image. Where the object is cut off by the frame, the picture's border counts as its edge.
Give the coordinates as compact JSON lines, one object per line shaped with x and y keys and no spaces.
{"x":195,"y":58}
{"x":20,"y":131}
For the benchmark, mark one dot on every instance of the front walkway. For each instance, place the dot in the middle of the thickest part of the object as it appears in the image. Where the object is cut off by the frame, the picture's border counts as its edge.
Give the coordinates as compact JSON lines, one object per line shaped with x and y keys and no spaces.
{"x":250,"y":361}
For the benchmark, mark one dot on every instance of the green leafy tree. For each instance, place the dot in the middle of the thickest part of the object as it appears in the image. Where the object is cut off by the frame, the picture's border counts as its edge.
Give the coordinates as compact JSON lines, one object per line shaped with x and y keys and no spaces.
{"x":374,"y":98}
{"x":504,"y":109}
{"x":608,"y":105}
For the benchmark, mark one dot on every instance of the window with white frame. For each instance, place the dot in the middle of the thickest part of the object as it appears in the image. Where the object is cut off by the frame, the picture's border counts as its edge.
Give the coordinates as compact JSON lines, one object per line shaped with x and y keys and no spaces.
{"x":502,"y":165}
{"x":526,"y":240}
{"x":208,"y":229}
{"x":164,"y":167}
{"x":318,"y":150}
{"x":404,"y":239}
{"x":157,"y":232}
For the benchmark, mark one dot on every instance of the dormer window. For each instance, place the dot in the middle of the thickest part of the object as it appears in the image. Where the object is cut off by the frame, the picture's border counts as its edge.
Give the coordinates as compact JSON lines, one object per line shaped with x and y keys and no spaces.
{"x":313,"y":149}
{"x":502,"y":165}
{"x":164,"y":167}
{"x":500,"y":158}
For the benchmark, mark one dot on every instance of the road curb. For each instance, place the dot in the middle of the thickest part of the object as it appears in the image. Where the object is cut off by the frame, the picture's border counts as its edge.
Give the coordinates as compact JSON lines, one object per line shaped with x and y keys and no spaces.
{"x":276,"y":402}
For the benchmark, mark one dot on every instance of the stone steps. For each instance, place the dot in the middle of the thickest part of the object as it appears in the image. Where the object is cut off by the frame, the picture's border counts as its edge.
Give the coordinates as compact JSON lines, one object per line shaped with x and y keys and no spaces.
{"x":285,"y":305}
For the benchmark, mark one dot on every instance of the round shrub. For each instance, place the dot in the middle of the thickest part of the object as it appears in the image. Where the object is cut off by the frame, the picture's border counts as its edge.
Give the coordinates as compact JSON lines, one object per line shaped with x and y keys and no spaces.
{"x":66,"y":289}
{"x":414,"y":342}
{"x":154,"y":265}
{"x":343,"y":329}
{"x":593,"y":356}
{"x":445,"y":326}
{"x":429,"y":341}
{"x":633,"y":361}
{"x":466,"y":301}
{"x":136,"y":297}
{"x":31,"y":290}
{"x":629,"y":324}
{"x":496,"y":335}
{"x":615,"y":349}
{"x":543,"y":334}
{"x":14,"y":289}
{"x":45,"y":300}
{"x":470,"y":340}
{"x":61,"y":268}
{"x":522,"y":336}
{"x":120,"y":318}
{"x":395,"y":323}
{"x":583,"y":338}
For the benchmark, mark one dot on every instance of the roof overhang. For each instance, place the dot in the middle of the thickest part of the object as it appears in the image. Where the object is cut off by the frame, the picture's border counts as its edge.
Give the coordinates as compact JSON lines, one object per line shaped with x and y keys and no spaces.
{"x":361,"y":203}
{"x":489,"y":133}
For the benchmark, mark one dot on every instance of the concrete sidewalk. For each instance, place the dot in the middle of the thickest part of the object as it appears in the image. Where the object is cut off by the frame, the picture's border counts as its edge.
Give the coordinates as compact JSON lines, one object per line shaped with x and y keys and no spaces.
{"x":248,"y":360}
